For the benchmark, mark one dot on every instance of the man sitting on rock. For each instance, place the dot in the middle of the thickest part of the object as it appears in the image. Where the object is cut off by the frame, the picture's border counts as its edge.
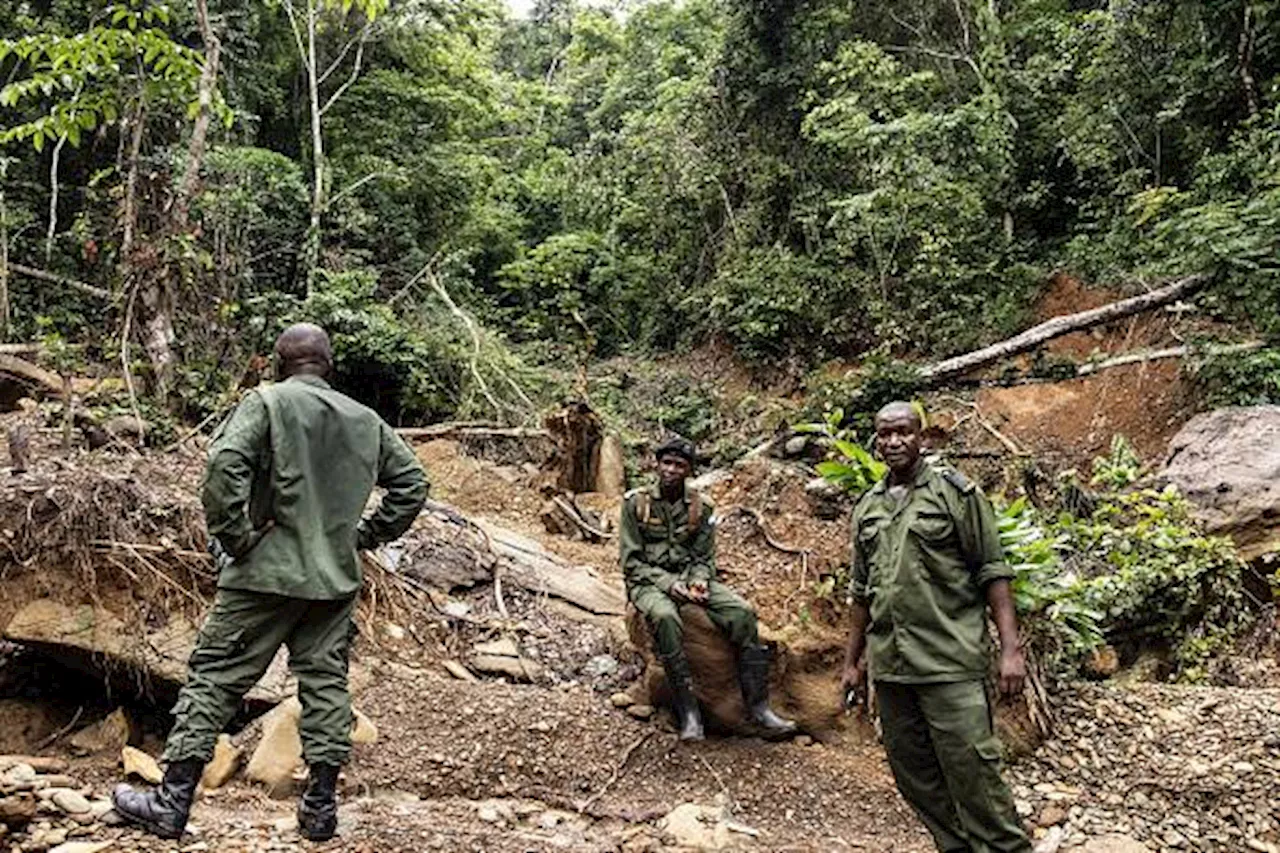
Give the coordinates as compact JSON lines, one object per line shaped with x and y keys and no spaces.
{"x":289,"y":475}
{"x":668,"y":558}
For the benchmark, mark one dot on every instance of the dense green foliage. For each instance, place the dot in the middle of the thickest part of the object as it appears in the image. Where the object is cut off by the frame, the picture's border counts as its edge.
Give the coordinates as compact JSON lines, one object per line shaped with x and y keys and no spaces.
{"x":1249,"y":379}
{"x":803,"y":181}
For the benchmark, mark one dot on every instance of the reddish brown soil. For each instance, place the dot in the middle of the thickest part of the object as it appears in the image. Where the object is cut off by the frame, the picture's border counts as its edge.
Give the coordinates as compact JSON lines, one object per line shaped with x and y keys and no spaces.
{"x":1069,"y":423}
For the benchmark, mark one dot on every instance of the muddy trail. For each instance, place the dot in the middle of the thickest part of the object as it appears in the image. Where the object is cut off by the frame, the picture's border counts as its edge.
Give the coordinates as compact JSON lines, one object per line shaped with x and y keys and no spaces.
{"x":504,"y":703}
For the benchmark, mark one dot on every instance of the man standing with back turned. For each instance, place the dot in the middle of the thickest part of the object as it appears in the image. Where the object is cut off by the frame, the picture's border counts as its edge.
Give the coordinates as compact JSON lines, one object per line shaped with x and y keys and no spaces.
{"x":288,"y":479}
{"x":927,"y":563}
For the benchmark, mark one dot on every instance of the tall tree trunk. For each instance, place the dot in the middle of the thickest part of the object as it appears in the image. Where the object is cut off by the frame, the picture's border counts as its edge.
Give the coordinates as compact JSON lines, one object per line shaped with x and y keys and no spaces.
{"x":52,"y":230}
{"x":158,"y":333}
{"x":311,"y":251}
{"x":208,"y":85}
{"x":129,"y":209}
{"x":4,"y":255}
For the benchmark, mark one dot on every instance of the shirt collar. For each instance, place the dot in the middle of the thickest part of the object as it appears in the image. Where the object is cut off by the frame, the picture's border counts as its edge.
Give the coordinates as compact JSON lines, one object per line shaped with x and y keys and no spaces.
{"x":923,"y":469}
{"x":655,"y":492}
{"x":308,"y":379}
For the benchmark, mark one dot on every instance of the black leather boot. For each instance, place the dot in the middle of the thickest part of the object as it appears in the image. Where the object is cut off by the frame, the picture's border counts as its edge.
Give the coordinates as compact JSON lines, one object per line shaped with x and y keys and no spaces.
{"x":318,"y":808}
{"x":164,"y":811}
{"x":683,"y":702}
{"x":753,"y":675}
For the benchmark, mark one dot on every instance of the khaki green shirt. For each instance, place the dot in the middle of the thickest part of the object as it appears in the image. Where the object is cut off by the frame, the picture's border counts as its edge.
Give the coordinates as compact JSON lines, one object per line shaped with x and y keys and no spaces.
{"x":306,"y":458}
{"x":657,"y":547}
{"x":922,"y":566}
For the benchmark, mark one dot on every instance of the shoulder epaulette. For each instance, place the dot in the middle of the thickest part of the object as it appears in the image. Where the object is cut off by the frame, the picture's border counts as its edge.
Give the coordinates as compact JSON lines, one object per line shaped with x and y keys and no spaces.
{"x":955,"y":478}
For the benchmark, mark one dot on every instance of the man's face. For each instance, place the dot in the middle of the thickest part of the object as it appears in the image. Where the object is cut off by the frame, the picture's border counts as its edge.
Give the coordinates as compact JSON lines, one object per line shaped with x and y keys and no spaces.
{"x":898,"y":439}
{"x":673,"y":470}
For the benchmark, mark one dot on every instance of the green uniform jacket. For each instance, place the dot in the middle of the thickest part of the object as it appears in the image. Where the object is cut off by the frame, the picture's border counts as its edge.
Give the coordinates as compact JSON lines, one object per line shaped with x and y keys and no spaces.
{"x":306,"y":458}
{"x":922,"y":566}
{"x":661,"y":549}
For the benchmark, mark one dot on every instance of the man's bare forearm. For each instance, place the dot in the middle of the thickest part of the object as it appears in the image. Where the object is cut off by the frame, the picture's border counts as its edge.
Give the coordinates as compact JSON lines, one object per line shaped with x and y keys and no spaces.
{"x":857,"y":634}
{"x":1000,"y":600}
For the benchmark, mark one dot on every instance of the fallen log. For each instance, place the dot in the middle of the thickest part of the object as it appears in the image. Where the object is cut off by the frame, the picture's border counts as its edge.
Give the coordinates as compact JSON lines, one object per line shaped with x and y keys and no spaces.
{"x":53,"y":278}
{"x":30,"y":373}
{"x":468,"y":430}
{"x":942,"y":371}
{"x":1171,"y":352}
{"x":1126,"y":359}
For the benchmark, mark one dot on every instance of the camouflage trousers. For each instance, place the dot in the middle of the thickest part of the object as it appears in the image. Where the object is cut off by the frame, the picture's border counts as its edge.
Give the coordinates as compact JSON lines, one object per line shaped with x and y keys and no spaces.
{"x":236,"y":645}
{"x":945,"y":758}
{"x":729,"y":612}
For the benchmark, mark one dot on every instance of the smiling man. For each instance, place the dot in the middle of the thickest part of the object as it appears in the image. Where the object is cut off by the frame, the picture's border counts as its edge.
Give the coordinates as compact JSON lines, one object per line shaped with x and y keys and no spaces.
{"x":927,"y":564}
{"x":668,"y":555}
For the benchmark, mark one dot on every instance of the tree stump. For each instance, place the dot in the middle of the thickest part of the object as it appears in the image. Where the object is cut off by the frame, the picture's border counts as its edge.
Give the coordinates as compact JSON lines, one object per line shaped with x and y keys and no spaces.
{"x":803,"y":684}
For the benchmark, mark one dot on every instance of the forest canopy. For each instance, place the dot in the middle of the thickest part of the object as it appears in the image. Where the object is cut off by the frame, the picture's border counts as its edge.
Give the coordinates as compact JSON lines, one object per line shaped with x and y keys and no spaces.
{"x":469,"y":199}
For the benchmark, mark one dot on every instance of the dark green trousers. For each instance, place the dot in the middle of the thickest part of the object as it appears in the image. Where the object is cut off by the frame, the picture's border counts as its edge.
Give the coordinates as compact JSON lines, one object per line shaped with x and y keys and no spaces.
{"x":729,"y":611}
{"x":945,"y":758}
{"x":236,"y":645}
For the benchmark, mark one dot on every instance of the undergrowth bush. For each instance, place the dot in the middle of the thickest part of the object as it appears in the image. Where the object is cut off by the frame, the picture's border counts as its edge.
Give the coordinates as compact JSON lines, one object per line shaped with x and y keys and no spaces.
{"x":1237,"y":379}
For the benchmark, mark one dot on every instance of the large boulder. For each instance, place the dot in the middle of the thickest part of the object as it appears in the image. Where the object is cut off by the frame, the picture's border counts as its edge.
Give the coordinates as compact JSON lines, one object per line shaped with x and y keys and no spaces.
{"x":1227,"y":463}
{"x":98,"y":641}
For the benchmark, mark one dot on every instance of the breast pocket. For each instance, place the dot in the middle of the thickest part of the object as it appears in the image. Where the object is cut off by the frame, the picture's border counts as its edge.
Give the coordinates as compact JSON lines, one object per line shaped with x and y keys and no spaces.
{"x":870,"y":539}
{"x":932,"y":526}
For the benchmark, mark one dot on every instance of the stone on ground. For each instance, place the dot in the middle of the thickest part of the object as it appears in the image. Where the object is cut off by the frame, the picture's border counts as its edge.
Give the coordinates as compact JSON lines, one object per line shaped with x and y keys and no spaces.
{"x":363,"y":730}
{"x":110,"y":734}
{"x":1115,"y":843}
{"x":279,"y":753}
{"x":278,"y":757}
{"x":138,"y":763}
{"x":83,"y":847}
{"x":17,"y":809}
{"x":690,"y":826}
{"x":223,"y":765}
{"x":69,"y":801}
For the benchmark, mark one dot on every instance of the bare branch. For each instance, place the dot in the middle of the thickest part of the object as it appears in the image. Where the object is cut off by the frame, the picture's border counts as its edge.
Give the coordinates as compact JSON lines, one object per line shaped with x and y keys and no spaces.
{"x":357,"y":185}
{"x":355,"y":73}
{"x":42,"y":275}
{"x":342,"y":54}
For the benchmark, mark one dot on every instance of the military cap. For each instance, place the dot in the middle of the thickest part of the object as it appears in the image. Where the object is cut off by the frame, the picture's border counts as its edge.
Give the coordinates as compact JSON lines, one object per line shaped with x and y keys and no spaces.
{"x":679,"y":447}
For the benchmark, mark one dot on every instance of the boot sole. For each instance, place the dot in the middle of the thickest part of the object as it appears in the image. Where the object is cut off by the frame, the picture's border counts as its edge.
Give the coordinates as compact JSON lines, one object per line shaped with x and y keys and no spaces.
{"x":149,"y":827}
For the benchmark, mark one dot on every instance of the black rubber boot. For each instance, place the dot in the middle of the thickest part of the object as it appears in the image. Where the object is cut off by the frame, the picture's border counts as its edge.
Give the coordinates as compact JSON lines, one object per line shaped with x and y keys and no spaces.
{"x":683,"y":702}
{"x":753,"y":675}
{"x":164,"y":811}
{"x":318,"y":808}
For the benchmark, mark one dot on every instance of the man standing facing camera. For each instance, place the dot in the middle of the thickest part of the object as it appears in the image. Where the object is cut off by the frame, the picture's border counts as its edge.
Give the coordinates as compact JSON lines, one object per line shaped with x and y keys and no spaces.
{"x":668,"y":555}
{"x":927,"y":565}
{"x":288,"y":478}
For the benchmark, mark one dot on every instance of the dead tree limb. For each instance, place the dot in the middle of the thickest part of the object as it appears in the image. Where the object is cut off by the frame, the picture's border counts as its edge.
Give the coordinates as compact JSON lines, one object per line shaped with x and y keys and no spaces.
{"x":31,"y":373}
{"x":756,"y":516}
{"x":950,"y":368}
{"x":1131,"y":358}
{"x":1142,"y":357}
{"x":42,"y":275}
{"x":574,"y":516}
{"x":469,"y":430}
